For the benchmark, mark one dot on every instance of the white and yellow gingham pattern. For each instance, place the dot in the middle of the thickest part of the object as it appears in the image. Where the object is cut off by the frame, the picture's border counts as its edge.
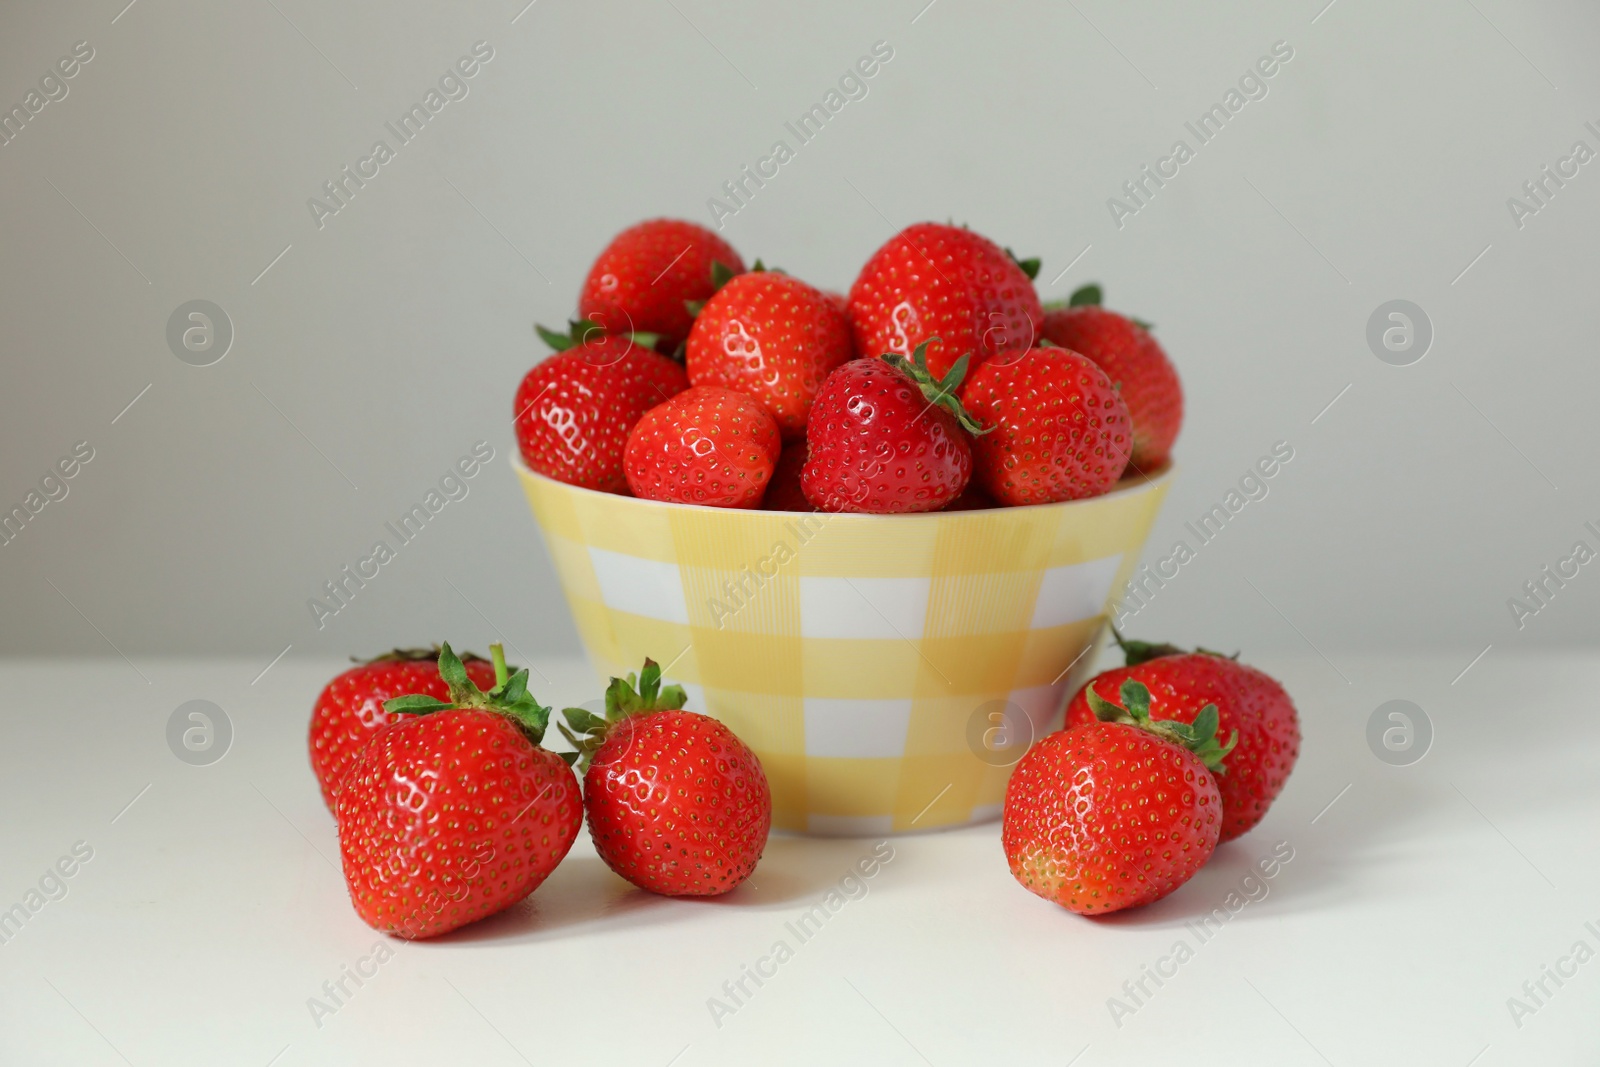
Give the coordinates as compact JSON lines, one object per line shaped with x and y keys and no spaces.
{"x":851,"y":652}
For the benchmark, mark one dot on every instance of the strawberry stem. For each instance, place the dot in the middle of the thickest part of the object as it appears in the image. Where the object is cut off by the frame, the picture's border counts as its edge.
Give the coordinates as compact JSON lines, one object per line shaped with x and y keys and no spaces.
{"x":625,"y":697}
{"x":1137,"y":652}
{"x":1199,"y":737}
{"x":413,"y":655}
{"x":509,"y":697}
{"x":939,"y":392}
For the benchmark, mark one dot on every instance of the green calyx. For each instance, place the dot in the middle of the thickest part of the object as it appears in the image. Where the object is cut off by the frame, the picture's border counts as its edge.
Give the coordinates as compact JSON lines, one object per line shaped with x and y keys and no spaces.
{"x":509,"y":697}
{"x":722,"y":274}
{"x":1030,"y":266}
{"x":1090,"y":296}
{"x":1137,"y":652}
{"x":1199,"y":737}
{"x":413,"y":655}
{"x":628,"y":696}
{"x":940,"y":392}
{"x":585,"y":331}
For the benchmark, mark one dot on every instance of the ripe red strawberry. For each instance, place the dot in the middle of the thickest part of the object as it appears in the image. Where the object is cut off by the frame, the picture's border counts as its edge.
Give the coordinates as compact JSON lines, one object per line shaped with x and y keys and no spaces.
{"x":1247,"y":701}
{"x":947,"y":285}
{"x":575,"y":409}
{"x":1114,"y":813}
{"x":350,"y":709}
{"x":783,"y":491}
{"x":1131,"y":358}
{"x":886,"y":437}
{"x":648,"y":273}
{"x":1060,"y":429}
{"x":771,"y":337}
{"x":707,"y":445}
{"x":676,"y":803}
{"x":455,"y":812}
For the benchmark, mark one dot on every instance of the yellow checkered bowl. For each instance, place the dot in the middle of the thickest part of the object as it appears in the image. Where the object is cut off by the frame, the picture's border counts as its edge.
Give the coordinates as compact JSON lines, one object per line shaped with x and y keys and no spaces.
{"x":888,"y":670}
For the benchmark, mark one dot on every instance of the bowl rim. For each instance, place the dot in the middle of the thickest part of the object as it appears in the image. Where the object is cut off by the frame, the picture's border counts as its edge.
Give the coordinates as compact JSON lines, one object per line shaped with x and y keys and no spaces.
{"x":1125,"y":486}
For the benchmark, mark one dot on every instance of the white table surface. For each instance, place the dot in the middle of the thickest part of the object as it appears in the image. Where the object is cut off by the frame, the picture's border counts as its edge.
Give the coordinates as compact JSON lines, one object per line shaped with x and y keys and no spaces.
{"x":213,"y":908}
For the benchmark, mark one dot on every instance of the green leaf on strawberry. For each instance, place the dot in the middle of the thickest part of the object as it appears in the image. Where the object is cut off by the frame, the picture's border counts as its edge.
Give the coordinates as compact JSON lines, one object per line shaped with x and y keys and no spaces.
{"x":1136,"y":652}
{"x":943,"y":392}
{"x":583,"y":331}
{"x":625,"y":697}
{"x":1030,"y":266}
{"x":509,"y":697}
{"x":1085,"y":296}
{"x":1199,"y":737}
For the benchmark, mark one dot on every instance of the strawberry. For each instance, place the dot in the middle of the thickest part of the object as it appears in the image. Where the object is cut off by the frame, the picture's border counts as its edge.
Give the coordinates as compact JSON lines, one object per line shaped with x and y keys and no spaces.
{"x":455,"y":812}
{"x":1117,"y":812}
{"x":707,"y":445}
{"x":783,"y":491}
{"x":1060,"y":429}
{"x":1247,"y":701}
{"x":885,"y":437}
{"x":772,"y":337}
{"x":350,"y":709}
{"x":676,"y":803}
{"x":575,"y":409}
{"x":972,"y":498}
{"x":1131,"y":358}
{"x":949,"y":286}
{"x":649,"y":272}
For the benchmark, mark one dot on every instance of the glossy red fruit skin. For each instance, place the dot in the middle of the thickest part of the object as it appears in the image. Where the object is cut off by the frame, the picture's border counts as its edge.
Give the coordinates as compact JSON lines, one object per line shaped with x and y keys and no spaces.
{"x":349,"y":711}
{"x":1134,"y":361}
{"x":1247,"y":700}
{"x":677,"y":804}
{"x":450,"y":817}
{"x":932,"y":280}
{"x":1058,"y":429}
{"x":707,"y":445}
{"x":643,"y":277}
{"x":771,"y":337}
{"x":1106,"y":816}
{"x":878,"y":446}
{"x":783,"y":490}
{"x":574,"y":411}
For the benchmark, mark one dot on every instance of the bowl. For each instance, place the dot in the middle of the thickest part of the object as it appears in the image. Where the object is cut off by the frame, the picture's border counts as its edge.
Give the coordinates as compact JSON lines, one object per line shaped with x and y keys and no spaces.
{"x":888,"y":670}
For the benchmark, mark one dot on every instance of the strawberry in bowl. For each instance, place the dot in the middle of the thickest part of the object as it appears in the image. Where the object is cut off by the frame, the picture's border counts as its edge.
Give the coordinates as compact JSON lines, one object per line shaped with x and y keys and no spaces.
{"x":853,"y":523}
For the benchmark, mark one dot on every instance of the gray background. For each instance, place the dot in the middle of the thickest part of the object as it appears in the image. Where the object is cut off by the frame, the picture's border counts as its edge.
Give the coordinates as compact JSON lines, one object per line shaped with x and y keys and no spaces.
{"x":381,"y":346}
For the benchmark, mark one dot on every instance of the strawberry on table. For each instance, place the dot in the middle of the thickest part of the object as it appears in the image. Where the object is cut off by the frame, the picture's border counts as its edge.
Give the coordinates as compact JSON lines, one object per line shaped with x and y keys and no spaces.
{"x":1117,"y":812}
{"x":886,"y":436}
{"x":948,"y":286}
{"x":350,"y":709}
{"x":1248,"y":702}
{"x":455,"y":812}
{"x":574,"y":410}
{"x":1131,"y":358}
{"x":1060,"y":430}
{"x":676,"y":803}
{"x":772,"y":337}
{"x":649,"y":272}
{"x":707,"y":445}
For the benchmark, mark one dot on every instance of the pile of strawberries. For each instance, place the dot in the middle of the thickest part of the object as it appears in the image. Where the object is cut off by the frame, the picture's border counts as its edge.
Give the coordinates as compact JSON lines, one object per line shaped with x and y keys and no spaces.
{"x":941,"y":381}
{"x":1129,"y":801}
{"x":451,"y":809}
